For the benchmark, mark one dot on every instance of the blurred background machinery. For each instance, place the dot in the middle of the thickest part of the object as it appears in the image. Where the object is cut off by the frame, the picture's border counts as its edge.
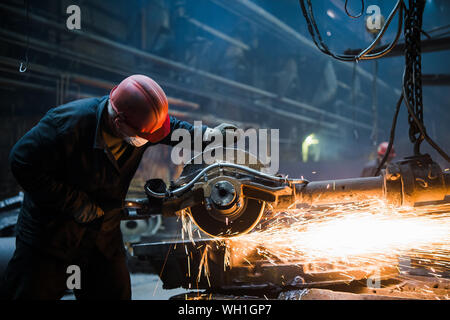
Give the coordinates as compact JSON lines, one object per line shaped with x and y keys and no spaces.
{"x":252,"y":63}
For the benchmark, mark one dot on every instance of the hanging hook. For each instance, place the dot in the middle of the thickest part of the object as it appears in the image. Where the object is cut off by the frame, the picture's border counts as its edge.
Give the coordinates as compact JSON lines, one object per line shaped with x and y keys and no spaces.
{"x":24,"y":65}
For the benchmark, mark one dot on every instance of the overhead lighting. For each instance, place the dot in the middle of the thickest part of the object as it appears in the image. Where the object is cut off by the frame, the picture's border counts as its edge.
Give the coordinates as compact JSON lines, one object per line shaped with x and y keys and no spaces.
{"x":309,"y":141}
{"x":331,"y":14}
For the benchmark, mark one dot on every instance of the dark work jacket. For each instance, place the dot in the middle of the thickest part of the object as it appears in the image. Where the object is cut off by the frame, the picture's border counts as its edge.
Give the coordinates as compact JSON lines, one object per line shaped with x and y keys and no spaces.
{"x":66,"y":170}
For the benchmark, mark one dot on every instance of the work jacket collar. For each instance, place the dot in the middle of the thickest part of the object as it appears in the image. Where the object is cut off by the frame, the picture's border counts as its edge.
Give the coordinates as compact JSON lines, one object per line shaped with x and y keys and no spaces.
{"x":99,"y":142}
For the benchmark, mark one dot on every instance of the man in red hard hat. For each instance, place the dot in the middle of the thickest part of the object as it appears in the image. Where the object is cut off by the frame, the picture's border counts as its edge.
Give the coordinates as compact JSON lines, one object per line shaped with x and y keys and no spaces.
{"x":75,"y":167}
{"x":371,"y":167}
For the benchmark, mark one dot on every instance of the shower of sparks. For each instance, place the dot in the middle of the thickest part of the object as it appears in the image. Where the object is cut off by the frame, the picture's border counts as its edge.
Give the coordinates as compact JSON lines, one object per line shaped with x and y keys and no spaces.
{"x":370,"y":234}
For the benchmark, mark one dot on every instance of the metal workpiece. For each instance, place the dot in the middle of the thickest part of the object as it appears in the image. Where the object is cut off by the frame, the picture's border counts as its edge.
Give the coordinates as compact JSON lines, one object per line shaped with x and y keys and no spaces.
{"x":415,"y":180}
{"x":237,"y":274}
{"x":340,"y":191}
{"x":407,"y":182}
{"x":228,"y":199}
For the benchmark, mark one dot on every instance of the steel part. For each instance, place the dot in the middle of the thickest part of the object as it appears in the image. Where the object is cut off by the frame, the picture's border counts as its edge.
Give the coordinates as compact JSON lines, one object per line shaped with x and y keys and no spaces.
{"x":224,"y":211}
{"x":414,"y":180}
{"x":136,"y":209}
{"x":228,"y":199}
{"x":436,"y":79}
{"x":340,"y":191}
{"x":217,"y":224}
{"x":220,"y":166}
{"x":407,"y":182}
{"x":217,"y":33}
{"x":180,"y":263}
{"x":223,"y":194}
{"x":195,"y":170}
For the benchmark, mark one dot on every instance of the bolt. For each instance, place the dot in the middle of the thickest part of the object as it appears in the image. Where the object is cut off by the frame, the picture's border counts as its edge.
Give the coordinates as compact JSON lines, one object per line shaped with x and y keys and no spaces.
{"x":298,"y":280}
{"x":393,"y":176}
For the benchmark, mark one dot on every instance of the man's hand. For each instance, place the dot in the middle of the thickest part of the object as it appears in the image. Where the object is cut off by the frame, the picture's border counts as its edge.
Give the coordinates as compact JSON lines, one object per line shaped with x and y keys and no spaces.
{"x":87,"y":215}
{"x":224,"y":129}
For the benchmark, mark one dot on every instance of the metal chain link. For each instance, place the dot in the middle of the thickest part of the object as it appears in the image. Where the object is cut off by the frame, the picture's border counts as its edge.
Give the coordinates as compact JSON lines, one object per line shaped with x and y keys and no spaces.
{"x":413,"y":70}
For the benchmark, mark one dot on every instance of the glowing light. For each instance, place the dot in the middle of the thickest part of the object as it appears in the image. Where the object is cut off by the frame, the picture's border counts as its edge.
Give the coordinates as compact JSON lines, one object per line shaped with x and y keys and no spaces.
{"x":331,"y":14}
{"x":309,"y":141}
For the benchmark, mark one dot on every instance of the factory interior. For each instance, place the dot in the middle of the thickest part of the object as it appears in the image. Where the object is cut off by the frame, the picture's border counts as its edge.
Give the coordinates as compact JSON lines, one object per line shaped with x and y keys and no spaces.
{"x":344,"y":194}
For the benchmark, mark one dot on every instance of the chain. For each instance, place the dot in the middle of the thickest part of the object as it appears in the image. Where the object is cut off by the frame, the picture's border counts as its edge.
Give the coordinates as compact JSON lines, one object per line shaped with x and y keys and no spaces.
{"x":413,"y":69}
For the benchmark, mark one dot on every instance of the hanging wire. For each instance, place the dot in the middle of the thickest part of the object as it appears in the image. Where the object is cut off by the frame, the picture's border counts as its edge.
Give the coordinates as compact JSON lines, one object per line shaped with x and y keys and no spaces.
{"x":391,"y":137}
{"x":411,"y":87}
{"x":364,"y":54}
{"x":400,"y":7}
{"x":348,"y":13}
{"x":353,"y":98}
{"x":374,"y":134}
{"x":420,"y":125}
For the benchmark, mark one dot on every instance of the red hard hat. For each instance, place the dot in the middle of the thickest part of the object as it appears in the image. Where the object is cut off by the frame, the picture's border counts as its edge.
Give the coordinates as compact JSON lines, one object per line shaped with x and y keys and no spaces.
{"x":382,"y":148}
{"x":141,"y":104}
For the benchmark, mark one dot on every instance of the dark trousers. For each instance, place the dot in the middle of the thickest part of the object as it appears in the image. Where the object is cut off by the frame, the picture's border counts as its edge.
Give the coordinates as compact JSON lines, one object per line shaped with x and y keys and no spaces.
{"x":32,"y":274}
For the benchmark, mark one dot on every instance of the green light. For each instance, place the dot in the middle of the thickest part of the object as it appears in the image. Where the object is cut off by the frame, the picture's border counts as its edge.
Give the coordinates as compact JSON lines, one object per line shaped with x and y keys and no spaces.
{"x":309,"y":141}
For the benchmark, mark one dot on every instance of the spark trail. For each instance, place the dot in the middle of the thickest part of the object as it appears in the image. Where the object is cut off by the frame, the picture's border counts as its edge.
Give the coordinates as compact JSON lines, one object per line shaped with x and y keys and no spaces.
{"x":370,"y":234}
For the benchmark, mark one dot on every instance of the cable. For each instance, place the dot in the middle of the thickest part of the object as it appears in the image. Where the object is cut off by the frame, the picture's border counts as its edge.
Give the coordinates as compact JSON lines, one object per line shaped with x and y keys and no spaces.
{"x":364,"y":54}
{"x":359,"y":15}
{"x":353,"y":98}
{"x":219,"y":165}
{"x":374,"y":134}
{"x":391,"y":137}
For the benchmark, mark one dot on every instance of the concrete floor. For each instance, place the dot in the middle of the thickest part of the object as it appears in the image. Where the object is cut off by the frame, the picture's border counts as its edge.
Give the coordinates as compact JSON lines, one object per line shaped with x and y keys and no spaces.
{"x":146,"y":287}
{"x":149,"y":287}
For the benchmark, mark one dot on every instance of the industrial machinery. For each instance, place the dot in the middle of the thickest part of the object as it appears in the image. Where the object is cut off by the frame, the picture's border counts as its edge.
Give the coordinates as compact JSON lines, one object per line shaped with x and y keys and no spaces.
{"x":226,"y":199}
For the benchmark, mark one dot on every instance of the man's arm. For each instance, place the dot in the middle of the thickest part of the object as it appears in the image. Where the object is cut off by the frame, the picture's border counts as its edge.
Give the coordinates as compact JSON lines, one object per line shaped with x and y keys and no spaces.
{"x":178,"y":124}
{"x":33,"y":162}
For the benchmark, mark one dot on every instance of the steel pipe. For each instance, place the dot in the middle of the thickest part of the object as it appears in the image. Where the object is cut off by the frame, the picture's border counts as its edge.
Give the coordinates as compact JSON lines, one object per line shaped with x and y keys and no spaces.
{"x":340,"y":191}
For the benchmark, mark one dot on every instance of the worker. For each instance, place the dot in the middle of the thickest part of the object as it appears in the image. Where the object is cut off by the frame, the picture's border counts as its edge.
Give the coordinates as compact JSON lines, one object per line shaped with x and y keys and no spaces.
{"x":371,"y":167}
{"x":75,"y":167}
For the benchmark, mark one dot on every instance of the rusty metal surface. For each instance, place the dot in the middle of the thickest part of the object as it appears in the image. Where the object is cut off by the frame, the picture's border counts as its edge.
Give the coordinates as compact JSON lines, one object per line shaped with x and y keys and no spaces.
{"x":179,"y":262}
{"x":178,"y":265}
